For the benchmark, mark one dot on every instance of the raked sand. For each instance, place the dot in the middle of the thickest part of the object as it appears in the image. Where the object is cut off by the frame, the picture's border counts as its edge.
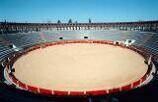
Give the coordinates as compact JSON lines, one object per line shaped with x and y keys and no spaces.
{"x":80,"y":67}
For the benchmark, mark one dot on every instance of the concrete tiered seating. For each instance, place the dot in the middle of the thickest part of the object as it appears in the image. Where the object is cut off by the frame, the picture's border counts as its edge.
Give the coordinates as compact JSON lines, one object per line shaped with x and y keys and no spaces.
{"x":23,"y":40}
{"x":146,"y":40}
{"x":150,"y":45}
{"x":4,"y":48}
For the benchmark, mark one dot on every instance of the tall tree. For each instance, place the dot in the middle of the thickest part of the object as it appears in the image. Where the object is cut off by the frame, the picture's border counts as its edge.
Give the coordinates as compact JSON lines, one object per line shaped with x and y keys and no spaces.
{"x":59,"y":22}
{"x":70,"y":21}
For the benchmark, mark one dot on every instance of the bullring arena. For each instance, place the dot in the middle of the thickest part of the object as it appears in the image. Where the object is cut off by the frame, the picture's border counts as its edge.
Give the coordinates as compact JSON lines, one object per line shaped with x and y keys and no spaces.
{"x":80,"y":67}
{"x":90,"y":62}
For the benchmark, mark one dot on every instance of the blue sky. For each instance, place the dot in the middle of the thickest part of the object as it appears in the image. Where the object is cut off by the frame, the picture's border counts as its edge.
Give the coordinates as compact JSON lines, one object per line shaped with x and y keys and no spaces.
{"x":80,"y":10}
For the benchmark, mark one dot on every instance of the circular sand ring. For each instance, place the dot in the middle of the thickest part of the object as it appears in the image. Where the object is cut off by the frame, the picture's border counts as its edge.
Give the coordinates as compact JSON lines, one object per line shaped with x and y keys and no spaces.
{"x":98,"y":67}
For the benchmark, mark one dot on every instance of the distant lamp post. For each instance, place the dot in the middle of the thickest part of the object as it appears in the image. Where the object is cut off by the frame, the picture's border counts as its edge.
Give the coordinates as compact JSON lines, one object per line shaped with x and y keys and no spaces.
{"x":90,"y":21}
{"x":76,"y":22}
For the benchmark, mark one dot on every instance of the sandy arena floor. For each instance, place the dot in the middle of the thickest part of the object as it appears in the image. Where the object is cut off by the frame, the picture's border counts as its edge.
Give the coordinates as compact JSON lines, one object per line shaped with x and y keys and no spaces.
{"x":80,"y":67}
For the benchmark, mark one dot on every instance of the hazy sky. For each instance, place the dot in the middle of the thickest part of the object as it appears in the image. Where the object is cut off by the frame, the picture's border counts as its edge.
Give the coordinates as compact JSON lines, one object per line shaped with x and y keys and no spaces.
{"x":80,"y":10}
